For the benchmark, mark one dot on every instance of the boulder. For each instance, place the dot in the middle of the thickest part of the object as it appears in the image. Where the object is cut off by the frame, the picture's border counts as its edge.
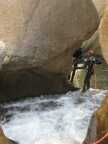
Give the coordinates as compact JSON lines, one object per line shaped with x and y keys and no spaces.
{"x":38,"y":38}
{"x":93,"y":42}
{"x":103,"y":32}
{"x":4,"y":139}
{"x":42,"y":33}
{"x":99,"y":41}
{"x":99,"y":124}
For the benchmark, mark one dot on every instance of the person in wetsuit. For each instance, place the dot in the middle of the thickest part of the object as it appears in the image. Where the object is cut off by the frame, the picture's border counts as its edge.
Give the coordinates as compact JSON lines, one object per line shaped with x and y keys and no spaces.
{"x":90,"y":61}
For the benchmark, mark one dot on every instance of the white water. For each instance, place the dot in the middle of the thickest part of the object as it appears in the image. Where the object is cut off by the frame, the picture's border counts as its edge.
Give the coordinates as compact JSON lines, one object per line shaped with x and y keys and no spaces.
{"x":59,"y":120}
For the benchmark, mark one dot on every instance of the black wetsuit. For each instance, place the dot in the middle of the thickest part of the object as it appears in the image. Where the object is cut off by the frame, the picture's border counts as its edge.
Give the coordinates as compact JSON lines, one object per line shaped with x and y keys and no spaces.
{"x":89,"y":65}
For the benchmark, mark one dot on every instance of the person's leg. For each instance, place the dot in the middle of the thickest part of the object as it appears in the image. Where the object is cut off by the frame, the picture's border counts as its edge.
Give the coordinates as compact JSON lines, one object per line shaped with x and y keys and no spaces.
{"x":73,"y":74}
{"x":86,"y":82}
{"x":89,"y":79}
{"x":84,"y":87}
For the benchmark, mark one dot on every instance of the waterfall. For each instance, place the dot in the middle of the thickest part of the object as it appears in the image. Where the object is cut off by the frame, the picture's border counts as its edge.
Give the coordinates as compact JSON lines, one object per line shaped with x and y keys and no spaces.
{"x":62,"y":119}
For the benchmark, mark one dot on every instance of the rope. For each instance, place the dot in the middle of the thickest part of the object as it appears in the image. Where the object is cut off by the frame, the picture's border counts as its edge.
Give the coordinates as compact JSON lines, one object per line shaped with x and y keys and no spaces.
{"x":101,"y":139}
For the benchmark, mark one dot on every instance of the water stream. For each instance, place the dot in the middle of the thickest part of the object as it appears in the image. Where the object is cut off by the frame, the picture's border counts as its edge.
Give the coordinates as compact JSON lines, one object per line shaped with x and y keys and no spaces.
{"x":62,"y":119}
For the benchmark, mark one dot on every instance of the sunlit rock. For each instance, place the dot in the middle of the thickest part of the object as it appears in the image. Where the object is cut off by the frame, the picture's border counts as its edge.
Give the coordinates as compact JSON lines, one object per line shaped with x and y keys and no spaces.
{"x":103,"y":32}
{"x":93,"y":42}
{"x":100,"y":5}
{"x":44,"y":33}
{"x":99,"y":124}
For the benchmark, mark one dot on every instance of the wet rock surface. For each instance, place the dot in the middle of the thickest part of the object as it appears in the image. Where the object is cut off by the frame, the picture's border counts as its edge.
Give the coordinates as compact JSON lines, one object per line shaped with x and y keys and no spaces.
{"x":21,"y":84}
{"x":99,"y":124}
{"x":94,"y":41}
{"x":44,"y":33}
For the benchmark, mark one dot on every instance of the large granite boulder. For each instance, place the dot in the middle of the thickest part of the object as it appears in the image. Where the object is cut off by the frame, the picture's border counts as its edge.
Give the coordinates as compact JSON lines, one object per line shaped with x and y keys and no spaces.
{"x":99,"y":124}
{"x":42,"y":33}
{"x":38,"y":38}
{"x":93,"y":42}
{"x":103,"y":32}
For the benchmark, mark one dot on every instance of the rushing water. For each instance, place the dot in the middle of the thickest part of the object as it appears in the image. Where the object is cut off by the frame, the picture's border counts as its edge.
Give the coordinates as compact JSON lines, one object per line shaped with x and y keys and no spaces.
{"x":56,"y":119}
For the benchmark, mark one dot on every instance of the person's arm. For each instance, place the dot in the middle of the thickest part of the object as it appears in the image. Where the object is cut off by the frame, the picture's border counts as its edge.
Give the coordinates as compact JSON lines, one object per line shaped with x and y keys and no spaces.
{"x":98,"y":60}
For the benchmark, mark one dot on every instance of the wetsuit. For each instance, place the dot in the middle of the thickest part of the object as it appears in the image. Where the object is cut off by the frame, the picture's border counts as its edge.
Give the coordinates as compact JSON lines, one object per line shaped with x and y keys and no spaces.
{"x":89,"y":65}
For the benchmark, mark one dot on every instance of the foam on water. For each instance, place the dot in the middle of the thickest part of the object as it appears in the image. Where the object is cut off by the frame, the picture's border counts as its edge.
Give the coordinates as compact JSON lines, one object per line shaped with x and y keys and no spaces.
{"x":58,"y":120}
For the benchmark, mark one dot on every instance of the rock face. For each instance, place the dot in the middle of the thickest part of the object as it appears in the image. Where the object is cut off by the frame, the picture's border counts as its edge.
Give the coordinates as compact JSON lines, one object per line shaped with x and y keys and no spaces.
{"x":99,"y":41}
{"x":40,"y":36}
{"x":99,"y":124}
{"x":93,"y":42}
{"x":38,"y":32}
{"x":104,"y":33}
{"x":4,"y":139}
